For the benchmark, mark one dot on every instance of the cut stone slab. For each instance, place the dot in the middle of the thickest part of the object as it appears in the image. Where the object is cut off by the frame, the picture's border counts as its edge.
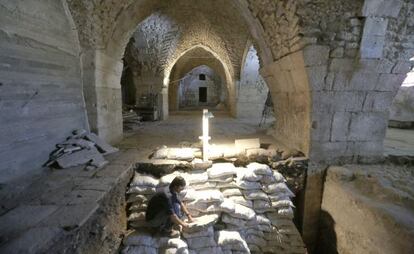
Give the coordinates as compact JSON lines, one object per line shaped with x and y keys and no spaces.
{"x":34,"y":240}
{"x":79,"y":158}
{"x":102,"y":146}
{"x":79,"y":142}
{"x":202,"y":222}
{"x":243,"y":144}
{"x":71,"y":216}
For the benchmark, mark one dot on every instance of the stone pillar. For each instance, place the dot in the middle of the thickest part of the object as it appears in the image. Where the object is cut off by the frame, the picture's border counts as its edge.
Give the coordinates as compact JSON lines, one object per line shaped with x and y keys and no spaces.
{"x":102,"y":91}
{"x":288,"y":84}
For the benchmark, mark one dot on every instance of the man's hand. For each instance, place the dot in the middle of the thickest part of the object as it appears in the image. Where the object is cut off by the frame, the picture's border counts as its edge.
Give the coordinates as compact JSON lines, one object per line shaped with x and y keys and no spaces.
{"x":185,"y":226}
{"x":190,"y":218}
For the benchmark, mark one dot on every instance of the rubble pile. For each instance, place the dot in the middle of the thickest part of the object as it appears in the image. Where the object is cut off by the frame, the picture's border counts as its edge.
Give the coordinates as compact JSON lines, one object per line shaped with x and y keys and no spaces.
{"x":131,"y":120}
{"x":81,"y":148}
{"x":236,"y":210}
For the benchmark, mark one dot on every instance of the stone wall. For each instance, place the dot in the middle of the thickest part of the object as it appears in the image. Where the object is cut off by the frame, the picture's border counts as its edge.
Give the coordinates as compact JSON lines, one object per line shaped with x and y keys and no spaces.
{"x":252,"y":89}
{"x":190,"y":84}
{"x":40,"y":83}
{"x":402,"y":108}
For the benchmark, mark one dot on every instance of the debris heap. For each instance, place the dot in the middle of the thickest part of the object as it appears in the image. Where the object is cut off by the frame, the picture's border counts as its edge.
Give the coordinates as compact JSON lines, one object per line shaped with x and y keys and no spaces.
{"x":81,"y":148}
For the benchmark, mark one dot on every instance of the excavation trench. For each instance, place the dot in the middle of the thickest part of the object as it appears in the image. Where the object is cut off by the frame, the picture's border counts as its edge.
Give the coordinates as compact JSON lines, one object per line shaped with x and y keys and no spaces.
{"x":240,"y":204}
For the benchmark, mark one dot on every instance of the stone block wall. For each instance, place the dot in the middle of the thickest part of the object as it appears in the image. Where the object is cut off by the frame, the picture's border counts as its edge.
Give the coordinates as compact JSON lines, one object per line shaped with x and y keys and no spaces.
{"x":41,"y":99}
{"x":190,"y":84}
{"x":252,"y":89}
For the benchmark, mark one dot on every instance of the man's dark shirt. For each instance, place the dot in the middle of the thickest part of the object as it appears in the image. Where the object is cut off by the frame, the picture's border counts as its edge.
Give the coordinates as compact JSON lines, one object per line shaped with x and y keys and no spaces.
{"x":163,"y":203}
{"x":175,"y":205}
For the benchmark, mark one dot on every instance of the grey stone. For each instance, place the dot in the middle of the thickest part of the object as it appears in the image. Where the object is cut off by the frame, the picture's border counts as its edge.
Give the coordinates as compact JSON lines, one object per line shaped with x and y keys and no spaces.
{"x":382,"y":8}
{"x":22,"y":218}
{"x":402,"y":67}
{"x":316,"y":76}
{"x":315,"y":55}
{"x":340,"y":126}
{"x":389,"y":82}
{"x":102,"y":146}
{"x":372,"y":46}
{"x":34,"y":240}
{"x":375,"y":26}
{"x":378,"y":101}
{"x":368,"y":126}
{"x":342,"y":65}
{"x":79,"y":158}
{"x":71,"y":216}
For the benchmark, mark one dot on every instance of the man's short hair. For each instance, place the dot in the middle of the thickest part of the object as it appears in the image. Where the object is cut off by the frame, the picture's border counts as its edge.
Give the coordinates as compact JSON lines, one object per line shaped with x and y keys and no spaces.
{"x":177,"y":182}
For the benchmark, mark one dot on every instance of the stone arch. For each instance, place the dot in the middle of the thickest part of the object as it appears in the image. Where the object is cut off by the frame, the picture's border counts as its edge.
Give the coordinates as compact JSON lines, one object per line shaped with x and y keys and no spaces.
{"x":275,"y":44}
{"x":219,"y":66}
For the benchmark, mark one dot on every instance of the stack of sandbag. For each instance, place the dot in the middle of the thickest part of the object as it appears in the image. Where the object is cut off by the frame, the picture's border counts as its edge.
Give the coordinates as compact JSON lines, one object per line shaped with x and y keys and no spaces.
{"x":137,"y":242}
{"x":253,"y":203}
{"x":142,"y":242}
{"x":140,"y":191}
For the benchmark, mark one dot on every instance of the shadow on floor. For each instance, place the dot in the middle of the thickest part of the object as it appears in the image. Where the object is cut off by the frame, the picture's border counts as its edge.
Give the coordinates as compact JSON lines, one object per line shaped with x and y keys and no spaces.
{"x":327,"y":242}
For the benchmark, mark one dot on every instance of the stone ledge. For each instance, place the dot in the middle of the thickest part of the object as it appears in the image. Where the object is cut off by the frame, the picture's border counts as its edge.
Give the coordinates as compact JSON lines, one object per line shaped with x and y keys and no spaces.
{"x":59,"y":211}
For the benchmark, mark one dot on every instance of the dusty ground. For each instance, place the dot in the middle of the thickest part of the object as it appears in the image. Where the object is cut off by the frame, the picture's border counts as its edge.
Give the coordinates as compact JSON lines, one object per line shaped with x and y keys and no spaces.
{"x":187,"y":127}
{"x":368,"y":209}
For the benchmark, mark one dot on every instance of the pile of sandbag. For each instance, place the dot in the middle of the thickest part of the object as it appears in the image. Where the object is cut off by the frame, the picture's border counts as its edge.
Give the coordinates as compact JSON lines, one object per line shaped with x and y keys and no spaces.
{"x":81,"y":148}
{"x":248,"y":209}
{"x":143,"y":242}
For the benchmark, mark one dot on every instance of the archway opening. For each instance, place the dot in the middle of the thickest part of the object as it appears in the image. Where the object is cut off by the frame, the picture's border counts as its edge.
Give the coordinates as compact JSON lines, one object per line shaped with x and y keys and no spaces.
{"x":201,"y":88}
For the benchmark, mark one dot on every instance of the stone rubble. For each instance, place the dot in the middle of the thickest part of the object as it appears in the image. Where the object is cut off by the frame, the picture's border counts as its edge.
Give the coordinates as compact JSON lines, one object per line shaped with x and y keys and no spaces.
{"x":81,"y":148}
{"x":236,"y":210}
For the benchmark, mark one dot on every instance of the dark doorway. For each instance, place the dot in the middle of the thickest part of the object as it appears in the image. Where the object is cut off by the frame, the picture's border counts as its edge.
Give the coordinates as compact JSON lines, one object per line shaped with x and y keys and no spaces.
{"x":202,"y":94}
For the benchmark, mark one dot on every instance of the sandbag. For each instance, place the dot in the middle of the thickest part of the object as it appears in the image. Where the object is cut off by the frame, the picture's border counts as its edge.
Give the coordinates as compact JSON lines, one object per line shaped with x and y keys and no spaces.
{"x":260,"y":169}
{"x":282,"y":203}
{"x":255,"y":195}
{"x":233,"y":221}
{"x":243,"y":212}
{"x":143,"y":180}
{"x":139,"y":249}
{"x":201,"y":242}
{"x":248,"y":174}
{"x":140,"y":239}
{"x":232,"y":192}
{"x":241,"y":201}
{"x":132,"y":198}
{"x":221,"y":169}
{"x":141,"y":190}
{"x":231,"y":240}
{"x":140,"y":216}
{"x":209,"y":231}
{"x":247,"y":185}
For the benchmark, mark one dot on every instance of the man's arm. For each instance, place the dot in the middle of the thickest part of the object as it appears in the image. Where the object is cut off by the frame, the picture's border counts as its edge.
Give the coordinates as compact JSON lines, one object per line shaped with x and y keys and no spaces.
{"x":174,"y":218}
{"x":185,"y":210}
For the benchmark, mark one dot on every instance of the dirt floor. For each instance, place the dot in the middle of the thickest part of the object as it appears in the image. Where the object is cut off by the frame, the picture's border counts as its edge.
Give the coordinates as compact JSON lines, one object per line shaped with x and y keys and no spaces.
{"x":368,"y":209}
{"x":186,"y":127}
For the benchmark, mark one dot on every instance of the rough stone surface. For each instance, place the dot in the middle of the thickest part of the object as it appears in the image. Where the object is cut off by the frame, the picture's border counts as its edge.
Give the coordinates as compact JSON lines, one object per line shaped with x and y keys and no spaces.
{"x":363,"y":205}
